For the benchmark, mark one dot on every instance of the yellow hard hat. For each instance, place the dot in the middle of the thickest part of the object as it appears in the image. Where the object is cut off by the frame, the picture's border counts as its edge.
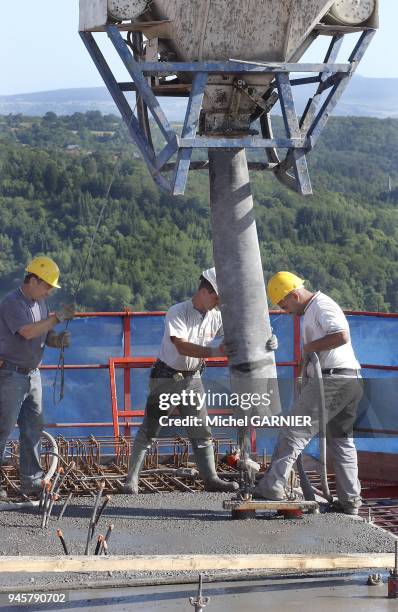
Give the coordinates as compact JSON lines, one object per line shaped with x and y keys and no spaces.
{"x":46,"y":269}
{"x":281,"y":284}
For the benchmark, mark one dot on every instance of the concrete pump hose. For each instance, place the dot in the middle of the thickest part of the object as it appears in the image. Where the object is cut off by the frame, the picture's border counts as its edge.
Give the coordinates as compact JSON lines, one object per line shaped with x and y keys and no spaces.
{"x":308,"y":490}
{"x":314,"y":359}
{"x":47,"y":477}
{"x":55,"y":456}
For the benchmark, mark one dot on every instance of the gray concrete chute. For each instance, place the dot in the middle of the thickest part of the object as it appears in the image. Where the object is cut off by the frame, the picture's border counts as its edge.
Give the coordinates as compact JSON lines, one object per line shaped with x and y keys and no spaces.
{"x":238,"y":264}
{"x":237,"y":259}
{"x":240,"y":277}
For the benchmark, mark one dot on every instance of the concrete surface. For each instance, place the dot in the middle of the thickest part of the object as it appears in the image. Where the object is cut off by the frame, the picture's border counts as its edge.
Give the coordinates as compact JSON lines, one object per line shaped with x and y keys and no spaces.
{"x":348,"y":593}
{"x":176,"y":523}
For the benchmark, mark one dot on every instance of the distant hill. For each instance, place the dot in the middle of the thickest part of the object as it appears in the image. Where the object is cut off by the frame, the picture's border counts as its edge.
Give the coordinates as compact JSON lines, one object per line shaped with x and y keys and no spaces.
{"x":364,"y":97}
{"x":69,"y":101}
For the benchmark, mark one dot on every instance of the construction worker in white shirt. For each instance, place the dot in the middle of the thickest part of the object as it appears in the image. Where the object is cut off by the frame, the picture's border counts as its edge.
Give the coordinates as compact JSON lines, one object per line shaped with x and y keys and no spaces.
{"x":325,"y":331}
{"x":190,"y":327}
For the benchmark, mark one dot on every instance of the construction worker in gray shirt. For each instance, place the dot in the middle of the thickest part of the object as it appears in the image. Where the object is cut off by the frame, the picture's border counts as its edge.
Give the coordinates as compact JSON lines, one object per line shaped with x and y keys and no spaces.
{"x":190,"y":327}
{"x":325,"y":332}
{"x":26,"y":327}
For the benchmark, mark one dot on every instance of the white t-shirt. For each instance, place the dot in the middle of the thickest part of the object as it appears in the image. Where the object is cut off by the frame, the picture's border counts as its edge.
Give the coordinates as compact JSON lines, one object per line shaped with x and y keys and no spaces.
{"x":184,"y":321}
{"x":322,"y":317}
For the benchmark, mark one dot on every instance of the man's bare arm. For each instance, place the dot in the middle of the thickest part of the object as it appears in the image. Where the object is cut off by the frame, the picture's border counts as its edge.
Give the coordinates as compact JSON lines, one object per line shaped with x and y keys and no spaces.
{"x":189,"y":349}
{"x":327,"y":343}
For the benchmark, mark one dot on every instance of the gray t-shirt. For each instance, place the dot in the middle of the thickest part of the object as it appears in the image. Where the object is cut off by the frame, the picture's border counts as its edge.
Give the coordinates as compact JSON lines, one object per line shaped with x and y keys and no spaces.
{"x":16,"y":310}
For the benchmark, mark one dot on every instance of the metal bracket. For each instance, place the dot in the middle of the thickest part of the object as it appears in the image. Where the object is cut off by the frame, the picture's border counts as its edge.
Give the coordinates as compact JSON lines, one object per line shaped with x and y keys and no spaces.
{"x":301,"y":135}
{"x":189,"y":131}
{"x":265,"y":104}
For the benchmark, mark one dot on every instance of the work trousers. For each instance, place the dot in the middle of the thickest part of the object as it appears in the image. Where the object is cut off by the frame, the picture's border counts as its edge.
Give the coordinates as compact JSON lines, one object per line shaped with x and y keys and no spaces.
{"x":162,"y":384}
{"x":342,"y":395}
{"x":21,"y":402}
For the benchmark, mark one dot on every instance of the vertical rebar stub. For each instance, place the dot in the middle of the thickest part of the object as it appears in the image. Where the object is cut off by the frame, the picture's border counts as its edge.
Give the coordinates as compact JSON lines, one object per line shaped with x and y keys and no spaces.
{"x":393,"y":577}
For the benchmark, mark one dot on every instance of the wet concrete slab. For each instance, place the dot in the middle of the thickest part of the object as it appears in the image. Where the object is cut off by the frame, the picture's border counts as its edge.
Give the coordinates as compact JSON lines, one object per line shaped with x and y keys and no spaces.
{"x":180,"y":523}
{"x":328,"y":594}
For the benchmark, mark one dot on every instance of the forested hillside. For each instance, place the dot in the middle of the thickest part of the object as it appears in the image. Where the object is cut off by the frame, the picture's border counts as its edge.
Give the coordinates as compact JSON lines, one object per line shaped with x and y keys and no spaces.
{"x":150,"y":249}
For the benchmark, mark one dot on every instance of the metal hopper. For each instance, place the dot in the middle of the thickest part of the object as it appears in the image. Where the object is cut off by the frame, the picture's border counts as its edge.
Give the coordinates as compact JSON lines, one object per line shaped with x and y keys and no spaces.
{"x":255,"y":30}
{"x":250,"y":30}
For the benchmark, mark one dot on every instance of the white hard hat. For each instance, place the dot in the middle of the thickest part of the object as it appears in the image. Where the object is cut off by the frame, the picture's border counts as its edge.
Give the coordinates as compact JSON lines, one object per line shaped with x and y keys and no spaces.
{"x":210,"y":276}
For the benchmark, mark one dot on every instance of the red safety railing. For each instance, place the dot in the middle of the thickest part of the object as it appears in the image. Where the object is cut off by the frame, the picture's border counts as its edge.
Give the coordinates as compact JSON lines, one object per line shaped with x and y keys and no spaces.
{"x":127,"y":417}
{"x":128,"y":362}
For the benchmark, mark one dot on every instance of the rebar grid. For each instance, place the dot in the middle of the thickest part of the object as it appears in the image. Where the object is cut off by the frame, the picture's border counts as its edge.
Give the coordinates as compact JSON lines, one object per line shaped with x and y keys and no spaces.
{"x":380,"y":510}
{"x":168,"y":466}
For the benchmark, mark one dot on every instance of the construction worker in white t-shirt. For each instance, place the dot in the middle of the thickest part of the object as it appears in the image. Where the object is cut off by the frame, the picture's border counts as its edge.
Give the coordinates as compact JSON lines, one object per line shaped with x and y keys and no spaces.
{"x":325,"y":331}
{"x":190,"y":327}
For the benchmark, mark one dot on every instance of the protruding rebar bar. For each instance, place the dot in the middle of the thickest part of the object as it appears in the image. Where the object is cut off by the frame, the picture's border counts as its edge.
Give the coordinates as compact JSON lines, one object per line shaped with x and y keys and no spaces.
{"x":70,"y":467}
{"x":111,"y":527}
{"x":54,"y":498}
{"x":46,"y":504}
{"x":393,"y":577}
{"x":43,"y":494}
{"x":61,"y":537}
{"x":61,"y":514}
{"x":104,"y":505}
{"x":57,"y":477}
{"x":91,"y":527}
{"x":104,"y":549}
{"x":199,"y":602}
{"x":98,"y":547}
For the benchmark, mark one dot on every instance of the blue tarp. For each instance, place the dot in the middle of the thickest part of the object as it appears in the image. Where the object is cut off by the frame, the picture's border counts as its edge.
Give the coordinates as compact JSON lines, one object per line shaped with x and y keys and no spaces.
{"x":95,"y":339}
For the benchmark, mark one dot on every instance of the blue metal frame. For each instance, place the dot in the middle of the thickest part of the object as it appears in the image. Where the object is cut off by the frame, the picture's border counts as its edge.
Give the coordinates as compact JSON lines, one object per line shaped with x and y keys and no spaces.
{"x":301,"y":135}
{"x":189,"y":132}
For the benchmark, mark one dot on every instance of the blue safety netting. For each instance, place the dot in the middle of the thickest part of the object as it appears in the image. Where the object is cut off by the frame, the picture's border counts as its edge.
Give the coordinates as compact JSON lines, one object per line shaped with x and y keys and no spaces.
{"x":375,"y":343}
{"x":95,"y":339}
{"x":146,"y":335}
{"x":375,"y":339}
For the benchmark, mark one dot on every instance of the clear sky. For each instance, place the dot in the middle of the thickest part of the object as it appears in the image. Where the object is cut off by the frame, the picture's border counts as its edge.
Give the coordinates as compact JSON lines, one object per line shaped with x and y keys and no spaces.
{"x":40,"y":48}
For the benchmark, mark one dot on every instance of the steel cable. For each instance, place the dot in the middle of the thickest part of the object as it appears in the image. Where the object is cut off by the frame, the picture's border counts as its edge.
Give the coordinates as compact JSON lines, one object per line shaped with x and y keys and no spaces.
{"x":61,"y":360}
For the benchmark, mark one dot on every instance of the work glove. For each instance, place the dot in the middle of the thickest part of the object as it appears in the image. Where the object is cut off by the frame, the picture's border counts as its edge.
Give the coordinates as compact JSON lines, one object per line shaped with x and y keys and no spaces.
{"x":66,"y":313}
{"x":272,"y":343}
{"x":61,"y":340}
